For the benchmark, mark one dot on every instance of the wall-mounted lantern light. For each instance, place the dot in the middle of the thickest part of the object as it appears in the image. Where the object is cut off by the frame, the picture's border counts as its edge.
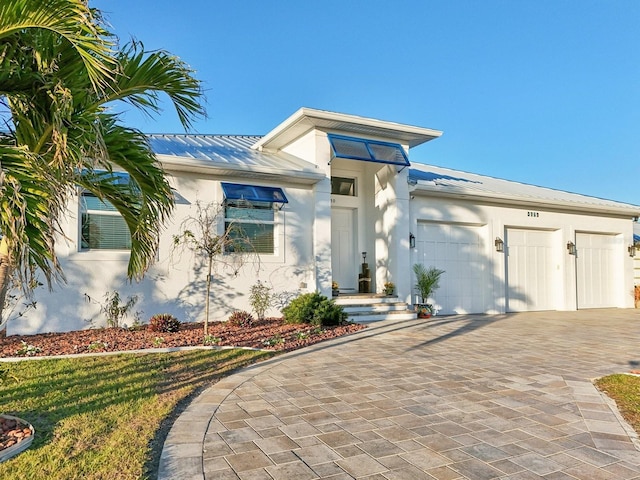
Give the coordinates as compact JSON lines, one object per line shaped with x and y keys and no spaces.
{"x":499,"y":244}
{"x":632,"y":250}
{"x":412,"y":240}
{"x":571,"y":248}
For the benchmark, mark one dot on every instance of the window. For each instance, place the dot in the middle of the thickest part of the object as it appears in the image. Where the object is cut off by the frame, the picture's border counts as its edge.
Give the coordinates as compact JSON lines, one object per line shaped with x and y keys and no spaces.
{"x":251,"y":225}
{"x":250,"y":216}
{"x":102,"y":228}
{"x":343,"y":186}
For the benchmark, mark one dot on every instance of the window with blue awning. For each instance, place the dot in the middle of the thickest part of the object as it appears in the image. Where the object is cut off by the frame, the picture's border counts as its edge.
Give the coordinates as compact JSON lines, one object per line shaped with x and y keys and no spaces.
{"x":250,"y":219}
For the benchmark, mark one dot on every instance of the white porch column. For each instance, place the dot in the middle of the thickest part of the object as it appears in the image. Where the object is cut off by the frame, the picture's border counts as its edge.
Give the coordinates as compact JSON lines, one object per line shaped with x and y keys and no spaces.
{"x":393,"y":259}
{"x":322,"y":237}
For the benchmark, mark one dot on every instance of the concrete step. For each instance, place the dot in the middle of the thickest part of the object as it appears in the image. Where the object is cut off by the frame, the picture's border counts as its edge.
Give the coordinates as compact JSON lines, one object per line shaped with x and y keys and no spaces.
{"x":374,"y":307}
{"x":377,"y":307}
{"x":364,"y":317}
{"x":364,"y":300}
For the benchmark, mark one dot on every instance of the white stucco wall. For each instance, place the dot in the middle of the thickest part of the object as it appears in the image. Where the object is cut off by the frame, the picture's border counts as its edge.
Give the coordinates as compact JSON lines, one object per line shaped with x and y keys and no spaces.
{"x":173,"y":285}
{"x":496,"y":220}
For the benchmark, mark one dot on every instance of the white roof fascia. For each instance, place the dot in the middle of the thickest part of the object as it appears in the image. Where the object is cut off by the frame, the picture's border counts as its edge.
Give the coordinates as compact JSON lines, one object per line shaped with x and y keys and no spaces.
{"x":194,"y":165}
{"x":306,"y":119}
{"x":623,"y":210}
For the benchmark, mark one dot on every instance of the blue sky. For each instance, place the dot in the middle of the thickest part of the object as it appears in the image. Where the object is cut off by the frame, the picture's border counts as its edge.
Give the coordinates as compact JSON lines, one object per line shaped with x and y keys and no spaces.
{"x":545,"y":92}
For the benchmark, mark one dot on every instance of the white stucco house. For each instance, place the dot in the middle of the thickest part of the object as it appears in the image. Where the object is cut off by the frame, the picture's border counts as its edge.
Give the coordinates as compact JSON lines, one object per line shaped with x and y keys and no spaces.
{"x":324,"y":187}
{"x":636,"y":252}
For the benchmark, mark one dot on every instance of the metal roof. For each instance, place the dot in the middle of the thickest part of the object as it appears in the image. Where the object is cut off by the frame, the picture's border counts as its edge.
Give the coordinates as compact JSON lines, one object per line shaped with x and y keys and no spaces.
{"x":236,"y":155}
{"x":432,"y":180}
{"x":229,"y":154}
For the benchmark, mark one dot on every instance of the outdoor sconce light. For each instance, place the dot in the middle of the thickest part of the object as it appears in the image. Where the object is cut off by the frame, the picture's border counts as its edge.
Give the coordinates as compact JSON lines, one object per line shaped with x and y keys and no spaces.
{"x":499,"y":244}
{"x":632,"y":250}
{"x":571,"y":248}
{"x":412,"y":240}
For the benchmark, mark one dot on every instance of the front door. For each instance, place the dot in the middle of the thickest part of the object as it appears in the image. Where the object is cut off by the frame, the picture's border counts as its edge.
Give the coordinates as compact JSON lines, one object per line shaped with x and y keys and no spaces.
{"x":343,"y":252}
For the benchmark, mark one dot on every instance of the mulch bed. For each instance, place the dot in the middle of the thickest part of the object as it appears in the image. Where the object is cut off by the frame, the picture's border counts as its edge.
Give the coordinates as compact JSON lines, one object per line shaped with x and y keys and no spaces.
{"x":270,"y":334}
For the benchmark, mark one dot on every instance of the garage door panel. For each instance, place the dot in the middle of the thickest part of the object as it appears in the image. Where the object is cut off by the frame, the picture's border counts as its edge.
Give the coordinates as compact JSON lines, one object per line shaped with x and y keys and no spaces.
{"x":459,"y":251}
{"x":530,"y":273}
{"x":595,"y":270}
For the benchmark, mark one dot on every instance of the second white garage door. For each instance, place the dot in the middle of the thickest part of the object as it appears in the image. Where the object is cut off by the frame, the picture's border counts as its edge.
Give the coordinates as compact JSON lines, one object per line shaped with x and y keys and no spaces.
{"x":531,"y":276}
{"x":595,"y":270}
{"x":459,"y":251}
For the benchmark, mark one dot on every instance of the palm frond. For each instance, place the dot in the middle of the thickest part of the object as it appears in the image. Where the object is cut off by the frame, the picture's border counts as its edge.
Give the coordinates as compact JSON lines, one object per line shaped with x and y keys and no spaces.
{"x":144,"y":75}
{"x":71,"y":21}
{"x":29,"y":209}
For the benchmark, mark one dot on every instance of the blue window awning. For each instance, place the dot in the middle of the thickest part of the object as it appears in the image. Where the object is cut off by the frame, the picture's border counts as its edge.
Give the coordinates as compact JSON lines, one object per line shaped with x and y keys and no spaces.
{"x":367,"y":150}
{"x":253,"y":193}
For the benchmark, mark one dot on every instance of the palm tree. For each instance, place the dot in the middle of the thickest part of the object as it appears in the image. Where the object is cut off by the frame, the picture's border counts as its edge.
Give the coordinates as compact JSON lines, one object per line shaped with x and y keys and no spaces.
{"x":60,"y":73}
{"x":427,"y":280}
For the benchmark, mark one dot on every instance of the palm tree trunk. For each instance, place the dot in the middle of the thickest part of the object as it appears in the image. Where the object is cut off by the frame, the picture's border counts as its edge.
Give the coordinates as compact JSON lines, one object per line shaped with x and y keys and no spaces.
{"x":5,"y":276}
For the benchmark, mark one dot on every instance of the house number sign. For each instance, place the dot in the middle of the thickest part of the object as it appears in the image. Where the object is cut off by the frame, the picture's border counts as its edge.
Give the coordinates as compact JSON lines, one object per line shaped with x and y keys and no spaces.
{"x":533,"y":214}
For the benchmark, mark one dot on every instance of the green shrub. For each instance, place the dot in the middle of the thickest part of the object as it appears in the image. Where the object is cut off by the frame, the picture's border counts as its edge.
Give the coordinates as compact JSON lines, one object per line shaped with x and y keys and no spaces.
{"x":240,"y":318}
{"x":164,"y":322}
{"x":315,"y":309}
{"x":114,"y":310}
{"x":261,"y":298}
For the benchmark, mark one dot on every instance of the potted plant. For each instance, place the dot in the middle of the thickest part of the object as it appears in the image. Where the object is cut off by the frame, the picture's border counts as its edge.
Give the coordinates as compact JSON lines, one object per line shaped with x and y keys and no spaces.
{"x":389,"y":288}
{"x":427,"y":281}
{"x":334,"y":288}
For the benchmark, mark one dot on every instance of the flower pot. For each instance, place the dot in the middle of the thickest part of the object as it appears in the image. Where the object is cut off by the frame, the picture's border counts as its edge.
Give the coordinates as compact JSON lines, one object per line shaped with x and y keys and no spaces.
{"x":24,"y":441}
{"x":423,"y":310}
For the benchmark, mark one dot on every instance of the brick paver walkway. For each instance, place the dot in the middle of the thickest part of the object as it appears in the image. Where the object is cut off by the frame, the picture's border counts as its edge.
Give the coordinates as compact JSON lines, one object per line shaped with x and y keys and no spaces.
{"x":476,"y":397}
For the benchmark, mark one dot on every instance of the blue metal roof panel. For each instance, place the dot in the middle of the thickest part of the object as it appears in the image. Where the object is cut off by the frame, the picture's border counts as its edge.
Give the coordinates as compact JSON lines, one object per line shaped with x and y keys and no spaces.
{"x":253,"y":193}
{"x":367,"y":150}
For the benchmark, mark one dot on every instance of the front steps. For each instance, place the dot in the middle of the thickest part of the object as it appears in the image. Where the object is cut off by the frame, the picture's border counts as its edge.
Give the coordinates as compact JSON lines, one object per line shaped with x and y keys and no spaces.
{"x":365,"y":308}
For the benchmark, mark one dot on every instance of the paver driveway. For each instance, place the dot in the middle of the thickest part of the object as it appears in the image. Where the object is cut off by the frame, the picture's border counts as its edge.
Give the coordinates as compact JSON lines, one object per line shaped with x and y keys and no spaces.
{"x":477,"y":397}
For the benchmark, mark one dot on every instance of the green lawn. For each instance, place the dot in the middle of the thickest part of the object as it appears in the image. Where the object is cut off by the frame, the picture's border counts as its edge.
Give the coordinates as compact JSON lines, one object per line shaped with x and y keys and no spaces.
{"x":625,"y":390}
{"x":99,"y":417}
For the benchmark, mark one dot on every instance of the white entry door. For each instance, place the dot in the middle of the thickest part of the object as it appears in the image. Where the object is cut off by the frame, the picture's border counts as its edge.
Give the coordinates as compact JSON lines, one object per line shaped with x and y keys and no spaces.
{"x":530,"y":273}
{"x":343,"y":251}
{"x":595,"y":270}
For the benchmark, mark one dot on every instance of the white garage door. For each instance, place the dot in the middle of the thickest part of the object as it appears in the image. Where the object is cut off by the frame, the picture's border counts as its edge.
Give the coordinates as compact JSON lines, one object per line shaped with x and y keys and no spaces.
{"x":459,"y":251}
{"x":530,"y":272}
{"x":595,"y":270}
